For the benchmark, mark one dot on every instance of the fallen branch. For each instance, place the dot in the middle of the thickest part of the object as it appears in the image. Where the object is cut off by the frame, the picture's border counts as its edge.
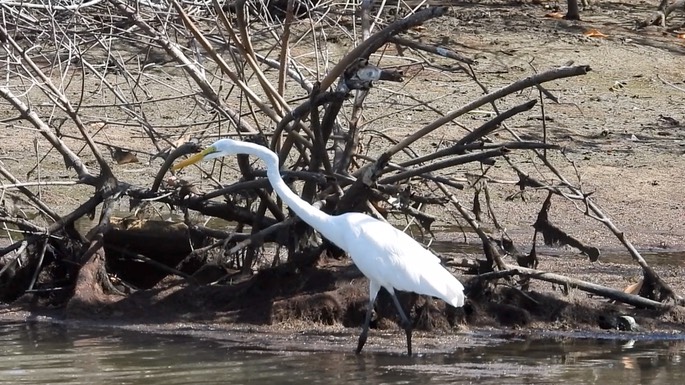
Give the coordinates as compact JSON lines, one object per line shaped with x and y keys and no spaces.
{"x":613,"y":294}
{"x":553,"y":74}
{"x":376,"y":40}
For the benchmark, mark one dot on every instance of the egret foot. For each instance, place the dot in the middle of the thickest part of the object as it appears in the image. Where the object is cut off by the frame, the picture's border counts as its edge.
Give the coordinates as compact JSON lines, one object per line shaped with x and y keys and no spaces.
{"x":407,"y":329}
{"x":362,"y":340}
{"x":373,"y":290}
{"x":406,"y":325}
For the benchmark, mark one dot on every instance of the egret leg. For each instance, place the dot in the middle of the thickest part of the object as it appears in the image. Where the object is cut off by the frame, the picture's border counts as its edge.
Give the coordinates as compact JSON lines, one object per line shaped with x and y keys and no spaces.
{"x":406,"y":325}
{"x":373,"y":292}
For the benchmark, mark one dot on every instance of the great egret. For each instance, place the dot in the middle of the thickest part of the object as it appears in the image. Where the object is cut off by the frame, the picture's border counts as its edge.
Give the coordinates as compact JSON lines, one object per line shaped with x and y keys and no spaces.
{"x":388,"y":257}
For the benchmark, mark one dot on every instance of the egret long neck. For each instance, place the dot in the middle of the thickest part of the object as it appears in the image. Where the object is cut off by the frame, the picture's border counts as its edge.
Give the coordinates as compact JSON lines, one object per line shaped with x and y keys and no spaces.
{"x":314,"y":217}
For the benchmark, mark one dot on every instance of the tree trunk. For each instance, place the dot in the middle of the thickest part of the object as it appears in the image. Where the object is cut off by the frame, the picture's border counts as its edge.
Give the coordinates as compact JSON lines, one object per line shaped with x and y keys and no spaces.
{"x":573,"y":13}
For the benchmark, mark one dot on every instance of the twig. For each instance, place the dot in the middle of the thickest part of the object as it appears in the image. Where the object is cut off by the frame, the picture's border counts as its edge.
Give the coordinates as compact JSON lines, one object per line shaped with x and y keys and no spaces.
{"x":285,"y":47}
{"x":70,"y":158}
{"x":29,"y":194}
{"x":658,"y":76}
{"x":377,"y":40}
{"x":259,"y":236}
{"x":42,"y":183}
{"x":557,"y":73}
{"x":60,"y":98}
{"x":187,"y":64}
{"x":51,"y":7}
{"x":158,"y":265}
{"x":474,"y":157}
{"x":490,"y":250}
{"x":85,"y":208}
{"x":246,"y":50}
{"x":432,"y":49}
{"x":184,"y":149}
{"x":22,"y":246}
{"x":39,"y":264}
{"x":24,"y":225}
{"x":488,"y":128}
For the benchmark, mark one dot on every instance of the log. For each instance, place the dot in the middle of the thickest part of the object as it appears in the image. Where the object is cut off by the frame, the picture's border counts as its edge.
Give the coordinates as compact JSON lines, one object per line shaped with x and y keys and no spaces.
{"x":614,"y":294}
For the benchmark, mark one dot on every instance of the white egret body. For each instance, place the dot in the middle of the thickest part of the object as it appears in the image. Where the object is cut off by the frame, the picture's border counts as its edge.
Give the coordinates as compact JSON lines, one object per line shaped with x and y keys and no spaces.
{"x":388,"y":257}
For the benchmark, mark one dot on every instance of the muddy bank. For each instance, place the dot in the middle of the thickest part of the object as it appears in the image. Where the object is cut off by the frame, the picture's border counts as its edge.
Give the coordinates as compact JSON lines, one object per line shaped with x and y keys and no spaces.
{"x":322,"y":308}
{"x":321,"y":338}
{"x":620,"y":127}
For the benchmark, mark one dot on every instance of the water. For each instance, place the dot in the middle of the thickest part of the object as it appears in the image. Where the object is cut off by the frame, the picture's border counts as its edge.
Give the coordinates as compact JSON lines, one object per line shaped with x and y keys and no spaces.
{"x":44,"y":353}
{"x":653,"y":256}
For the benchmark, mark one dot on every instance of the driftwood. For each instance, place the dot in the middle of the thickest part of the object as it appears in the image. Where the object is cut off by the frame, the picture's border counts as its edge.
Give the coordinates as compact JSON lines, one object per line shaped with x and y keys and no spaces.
{"x":657,"y":17}
{"x":606,"y":292}
{"x":312,"y":110}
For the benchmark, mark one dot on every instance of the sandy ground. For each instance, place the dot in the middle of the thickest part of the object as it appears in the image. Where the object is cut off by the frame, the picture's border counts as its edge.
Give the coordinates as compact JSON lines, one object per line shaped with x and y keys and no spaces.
{"x":621,"y":125}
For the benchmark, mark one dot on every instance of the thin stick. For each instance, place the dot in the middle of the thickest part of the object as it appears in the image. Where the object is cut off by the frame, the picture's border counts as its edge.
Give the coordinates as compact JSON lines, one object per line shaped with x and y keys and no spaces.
{"x":29,"y":194}
{"x":43,"y":183}
{"x":190,"y":68}
{"x":70,"y":158}
{"x":41,"y":256}
{"x":492,"y":251}
{"x":285,"y":48}
{"x":444,"y":52}
{"x":248,"y":53}
{"x":557,"y":73}
{"x":377,"y":40}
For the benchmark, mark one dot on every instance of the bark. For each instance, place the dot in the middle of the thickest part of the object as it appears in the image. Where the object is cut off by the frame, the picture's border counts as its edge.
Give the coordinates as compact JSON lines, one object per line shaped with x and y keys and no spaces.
{"x":573,"y":11}
{"x":613,"y":294}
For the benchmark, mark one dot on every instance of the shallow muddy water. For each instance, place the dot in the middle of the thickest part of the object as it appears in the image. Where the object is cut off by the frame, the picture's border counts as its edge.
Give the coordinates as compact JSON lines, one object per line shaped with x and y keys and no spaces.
{"x":44,"y":353}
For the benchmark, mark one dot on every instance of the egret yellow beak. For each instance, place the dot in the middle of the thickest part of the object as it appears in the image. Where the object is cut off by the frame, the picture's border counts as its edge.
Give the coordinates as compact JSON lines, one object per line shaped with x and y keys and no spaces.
{"x":193,"y":159}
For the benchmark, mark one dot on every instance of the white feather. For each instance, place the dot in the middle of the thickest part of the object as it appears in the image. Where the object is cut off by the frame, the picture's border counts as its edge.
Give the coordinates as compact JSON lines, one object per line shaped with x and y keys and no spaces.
{"x":388,"y":257}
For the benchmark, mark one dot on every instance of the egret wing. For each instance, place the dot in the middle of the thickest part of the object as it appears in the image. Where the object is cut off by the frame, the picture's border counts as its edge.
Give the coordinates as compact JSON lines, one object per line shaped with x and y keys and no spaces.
{"x":395,"y":260}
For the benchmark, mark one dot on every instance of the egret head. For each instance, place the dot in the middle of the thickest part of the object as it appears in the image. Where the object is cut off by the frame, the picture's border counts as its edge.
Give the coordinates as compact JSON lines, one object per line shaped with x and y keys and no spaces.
{"x":220,"y":148}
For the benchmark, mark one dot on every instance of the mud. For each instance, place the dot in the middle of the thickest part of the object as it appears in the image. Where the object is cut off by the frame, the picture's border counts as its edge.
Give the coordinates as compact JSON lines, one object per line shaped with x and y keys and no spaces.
{"x":621,"y":125}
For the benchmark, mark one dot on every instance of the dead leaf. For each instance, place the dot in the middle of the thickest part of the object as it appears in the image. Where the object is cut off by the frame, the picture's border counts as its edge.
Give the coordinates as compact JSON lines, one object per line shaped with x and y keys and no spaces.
{"x":555,"y":15}
{"x":124,"y":157}
{"x":180,"y":141}
{"x":634,"y":288}
{"x":97,"y":125}
{"x":619,"y":84}
{"x":594,"y":33}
